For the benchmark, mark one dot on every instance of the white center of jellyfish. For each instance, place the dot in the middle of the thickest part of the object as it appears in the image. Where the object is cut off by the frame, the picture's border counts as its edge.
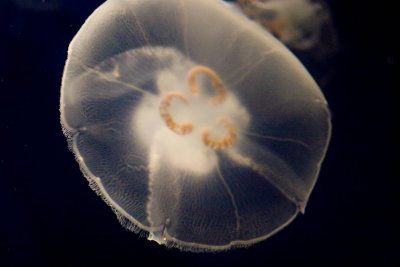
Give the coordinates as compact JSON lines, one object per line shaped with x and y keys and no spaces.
{"x":193,"y":116}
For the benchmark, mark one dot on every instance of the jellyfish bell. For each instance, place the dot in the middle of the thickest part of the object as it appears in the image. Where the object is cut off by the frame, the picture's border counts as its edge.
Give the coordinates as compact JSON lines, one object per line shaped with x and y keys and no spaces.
{"x":193,"y":124}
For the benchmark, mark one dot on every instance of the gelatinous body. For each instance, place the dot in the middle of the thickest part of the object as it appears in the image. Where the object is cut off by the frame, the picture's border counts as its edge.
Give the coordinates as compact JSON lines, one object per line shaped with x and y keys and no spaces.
{"x":191,"y":122}
{"x":297,"y":23}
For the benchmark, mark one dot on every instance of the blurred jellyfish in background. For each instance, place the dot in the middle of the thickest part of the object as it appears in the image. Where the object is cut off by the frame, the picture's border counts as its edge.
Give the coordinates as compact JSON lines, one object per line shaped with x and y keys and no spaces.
{"x":302,"y":25}
{"x":192,"y":122}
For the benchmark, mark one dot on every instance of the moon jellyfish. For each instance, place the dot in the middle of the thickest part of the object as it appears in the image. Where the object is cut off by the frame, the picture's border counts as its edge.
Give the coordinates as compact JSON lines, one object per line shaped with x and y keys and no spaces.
{"x":297,"y":23}
{"x":195,"y":125}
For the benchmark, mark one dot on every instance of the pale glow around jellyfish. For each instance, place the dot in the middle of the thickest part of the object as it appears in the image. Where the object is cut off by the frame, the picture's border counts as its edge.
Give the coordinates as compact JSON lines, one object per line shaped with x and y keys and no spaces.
{"x":192,"y":123}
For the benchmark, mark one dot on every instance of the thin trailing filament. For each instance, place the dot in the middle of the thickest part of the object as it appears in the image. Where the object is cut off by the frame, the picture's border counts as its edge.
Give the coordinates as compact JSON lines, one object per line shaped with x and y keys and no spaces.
{"x":216,"y":81}
{"x":180,"y":129}
{"x":224,"y":142}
